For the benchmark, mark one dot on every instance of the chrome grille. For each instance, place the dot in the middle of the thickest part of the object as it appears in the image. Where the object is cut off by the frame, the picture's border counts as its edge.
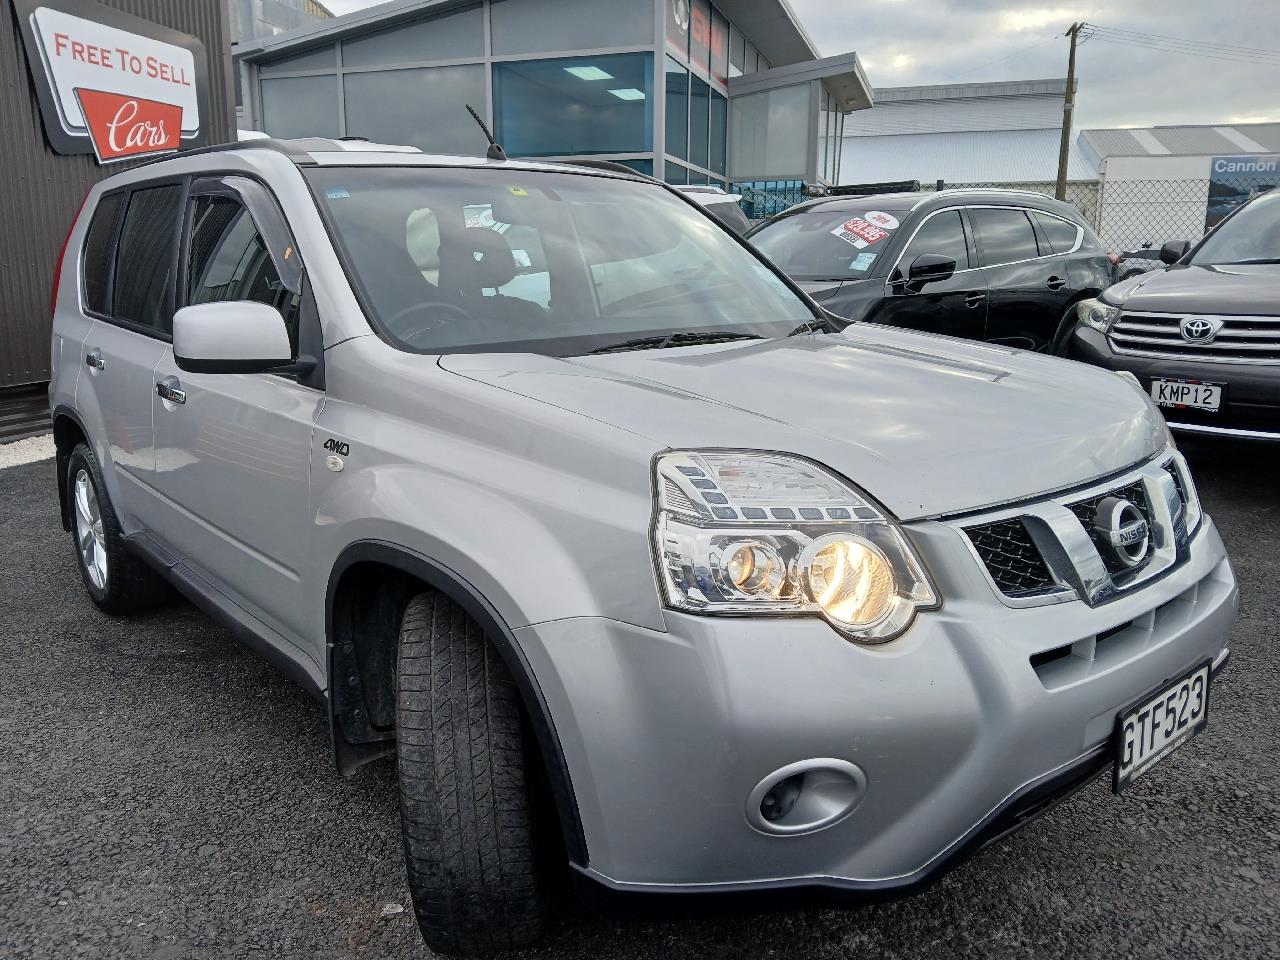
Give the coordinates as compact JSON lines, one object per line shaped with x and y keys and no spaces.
{"x":1241,"y":339}
{"x":1047,"y":550}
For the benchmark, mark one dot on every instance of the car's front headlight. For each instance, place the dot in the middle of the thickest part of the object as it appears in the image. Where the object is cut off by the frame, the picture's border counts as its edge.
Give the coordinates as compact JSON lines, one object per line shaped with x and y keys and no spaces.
{"x":1101,"y":316}
{"x":740,"y":532}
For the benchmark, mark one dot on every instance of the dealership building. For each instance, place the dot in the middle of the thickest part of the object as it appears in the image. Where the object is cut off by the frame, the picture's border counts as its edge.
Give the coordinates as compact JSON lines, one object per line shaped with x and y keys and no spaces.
{"x":732,"y":93}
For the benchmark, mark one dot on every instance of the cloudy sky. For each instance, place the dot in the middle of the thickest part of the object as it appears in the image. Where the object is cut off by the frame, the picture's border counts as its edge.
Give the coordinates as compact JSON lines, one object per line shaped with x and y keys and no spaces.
{"x":905,"y":42}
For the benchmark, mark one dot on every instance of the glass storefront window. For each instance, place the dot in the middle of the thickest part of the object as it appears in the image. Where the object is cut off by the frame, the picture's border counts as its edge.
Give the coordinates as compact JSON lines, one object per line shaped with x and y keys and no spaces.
{"x":677,"y":124}
{"x":677,"y":30}
{"x":575,"y":105}
{"x":699,"y":108}
{"x":719,"y":131}
{"x":426,"y":108}
{"x":700,"y":35}
{"x":300,"y":106}
{"x":550,"y":26}
{"x":675,"y":173}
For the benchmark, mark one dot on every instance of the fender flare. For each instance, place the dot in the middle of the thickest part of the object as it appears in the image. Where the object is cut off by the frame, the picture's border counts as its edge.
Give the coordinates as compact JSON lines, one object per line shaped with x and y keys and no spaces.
{"x":461,"y":591}
{"x":61,"y":411}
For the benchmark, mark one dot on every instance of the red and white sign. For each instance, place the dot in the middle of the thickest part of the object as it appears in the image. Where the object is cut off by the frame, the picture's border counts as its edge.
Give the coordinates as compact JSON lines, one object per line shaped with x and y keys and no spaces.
{"x":121,"y":126}
{"x":886,"y":221}
{"x":131,"y":95}
{"x":859,"y":232}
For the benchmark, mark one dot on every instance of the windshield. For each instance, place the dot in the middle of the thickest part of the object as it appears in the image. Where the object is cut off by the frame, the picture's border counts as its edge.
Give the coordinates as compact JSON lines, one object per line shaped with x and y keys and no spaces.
{"x":456,"y":260}
{"x":1251,"y":236}
{"x":826,"y":244}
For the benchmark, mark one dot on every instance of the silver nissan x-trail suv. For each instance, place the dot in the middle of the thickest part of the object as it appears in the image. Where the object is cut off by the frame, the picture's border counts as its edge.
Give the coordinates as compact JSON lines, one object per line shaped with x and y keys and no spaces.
{"x":544,"y":481}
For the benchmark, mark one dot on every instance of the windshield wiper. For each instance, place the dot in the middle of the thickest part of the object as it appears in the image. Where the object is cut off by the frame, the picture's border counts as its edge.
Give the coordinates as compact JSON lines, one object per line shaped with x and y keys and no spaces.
{"x":821,"y":324}
{"x":680,"y":338}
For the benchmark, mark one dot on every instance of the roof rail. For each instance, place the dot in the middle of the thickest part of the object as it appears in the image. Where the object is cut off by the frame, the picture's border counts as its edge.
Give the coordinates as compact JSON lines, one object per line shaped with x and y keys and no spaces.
{"x":609,"y":165}
{"x":295,"y":150}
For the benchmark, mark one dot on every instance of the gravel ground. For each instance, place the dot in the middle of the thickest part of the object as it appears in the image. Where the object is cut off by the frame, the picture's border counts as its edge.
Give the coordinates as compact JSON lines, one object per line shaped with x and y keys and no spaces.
{"x":26,"y":451}
{"x":164,"y":793}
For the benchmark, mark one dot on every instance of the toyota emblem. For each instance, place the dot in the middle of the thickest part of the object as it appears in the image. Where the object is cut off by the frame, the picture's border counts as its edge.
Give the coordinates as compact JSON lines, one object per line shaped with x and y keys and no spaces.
{"x":1198,"y":330}
{"x":1122,"y":529}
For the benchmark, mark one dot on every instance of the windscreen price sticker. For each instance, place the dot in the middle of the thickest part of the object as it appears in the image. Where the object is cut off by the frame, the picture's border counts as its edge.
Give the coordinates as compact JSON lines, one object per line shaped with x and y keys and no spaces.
{"x":859,"y":232}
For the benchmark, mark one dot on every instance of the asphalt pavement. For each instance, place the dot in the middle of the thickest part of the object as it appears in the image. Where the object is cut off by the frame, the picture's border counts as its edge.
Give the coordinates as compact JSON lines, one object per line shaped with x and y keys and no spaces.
{"x":164,"y":793}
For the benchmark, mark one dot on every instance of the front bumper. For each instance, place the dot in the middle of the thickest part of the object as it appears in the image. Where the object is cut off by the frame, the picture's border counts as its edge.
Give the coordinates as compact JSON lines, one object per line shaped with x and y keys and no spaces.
{"x":960,"y":736}
{"x":1251,"y":407}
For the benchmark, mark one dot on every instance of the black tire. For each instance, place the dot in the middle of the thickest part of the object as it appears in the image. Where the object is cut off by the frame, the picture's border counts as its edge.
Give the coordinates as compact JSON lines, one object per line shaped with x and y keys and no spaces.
{"x":465,"y":800}
{"x":128,"y":584}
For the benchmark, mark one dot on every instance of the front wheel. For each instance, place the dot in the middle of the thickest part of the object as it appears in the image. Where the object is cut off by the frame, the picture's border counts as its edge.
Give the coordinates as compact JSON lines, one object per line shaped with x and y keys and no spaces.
{"x":474,"y":873}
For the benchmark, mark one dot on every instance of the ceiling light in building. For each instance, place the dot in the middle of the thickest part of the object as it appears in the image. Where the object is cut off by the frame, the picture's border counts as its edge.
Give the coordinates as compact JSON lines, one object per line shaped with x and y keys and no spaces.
{"x":628,"y":93}
{"x":588,"y":73}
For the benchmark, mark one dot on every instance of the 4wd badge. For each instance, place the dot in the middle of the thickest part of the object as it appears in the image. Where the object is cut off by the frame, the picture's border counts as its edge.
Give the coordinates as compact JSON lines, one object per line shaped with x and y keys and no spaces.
{"x":338,"y":447}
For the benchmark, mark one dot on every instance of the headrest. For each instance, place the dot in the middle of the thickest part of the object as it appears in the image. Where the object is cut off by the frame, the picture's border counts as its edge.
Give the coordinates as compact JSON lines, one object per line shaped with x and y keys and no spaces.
{"x":475,"y":259}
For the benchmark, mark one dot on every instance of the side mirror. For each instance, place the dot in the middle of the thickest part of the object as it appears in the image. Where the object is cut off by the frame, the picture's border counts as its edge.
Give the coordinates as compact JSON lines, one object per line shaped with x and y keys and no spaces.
{"x":1174,"y":250}
{"x":238,"y":336}
{"x":929,"y":268}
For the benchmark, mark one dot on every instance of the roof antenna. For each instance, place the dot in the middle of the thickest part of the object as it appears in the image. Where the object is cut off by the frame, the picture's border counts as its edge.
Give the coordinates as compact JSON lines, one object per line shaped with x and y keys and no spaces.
{"x":495,"y":151}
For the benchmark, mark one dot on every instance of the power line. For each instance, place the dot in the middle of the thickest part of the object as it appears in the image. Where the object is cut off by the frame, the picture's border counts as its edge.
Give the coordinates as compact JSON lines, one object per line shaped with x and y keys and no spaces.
{"x":1191,"y":48}
{"x":1225,"y":47}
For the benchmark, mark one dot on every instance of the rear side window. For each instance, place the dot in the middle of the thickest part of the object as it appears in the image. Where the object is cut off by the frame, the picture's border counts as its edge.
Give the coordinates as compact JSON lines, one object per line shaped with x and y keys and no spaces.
{"x":96,"y":265}
{"x":1004,"y":235}
{"x":1061,"y":234}
{"x":229,"y":260}
{"x":145,"y":257}
{"x":943,"y":234}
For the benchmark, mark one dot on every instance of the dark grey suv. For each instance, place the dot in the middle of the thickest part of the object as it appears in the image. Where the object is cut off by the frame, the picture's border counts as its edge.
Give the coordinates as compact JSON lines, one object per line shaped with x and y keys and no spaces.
{"x":1006,"y":266}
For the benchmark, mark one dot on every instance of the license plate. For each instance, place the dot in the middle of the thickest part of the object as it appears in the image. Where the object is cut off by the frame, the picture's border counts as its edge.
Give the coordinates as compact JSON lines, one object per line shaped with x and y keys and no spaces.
{"x":1187,"y":393}
{"x":1159,"y":723}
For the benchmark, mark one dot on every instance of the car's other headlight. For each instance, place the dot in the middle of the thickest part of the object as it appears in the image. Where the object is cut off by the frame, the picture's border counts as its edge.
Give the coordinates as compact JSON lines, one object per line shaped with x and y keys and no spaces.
{"x":740,"y":532}
{"x":1101,"y":316}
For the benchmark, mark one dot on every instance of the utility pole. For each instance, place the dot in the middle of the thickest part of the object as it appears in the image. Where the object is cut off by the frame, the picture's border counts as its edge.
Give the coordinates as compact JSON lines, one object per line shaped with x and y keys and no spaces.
{"x":1068,"y":102}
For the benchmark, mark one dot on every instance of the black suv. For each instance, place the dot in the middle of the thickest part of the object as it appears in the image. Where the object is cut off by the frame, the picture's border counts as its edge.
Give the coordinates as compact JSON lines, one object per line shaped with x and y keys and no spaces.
{"x":1202,"y":335}
{"x":1005,"y":266}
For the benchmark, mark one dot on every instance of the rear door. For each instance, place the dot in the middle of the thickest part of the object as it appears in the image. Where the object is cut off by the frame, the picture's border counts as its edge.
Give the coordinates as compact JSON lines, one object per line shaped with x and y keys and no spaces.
{"x":132,"y":307}
{"x":233,"y":458}
{"x":956,"y":306}
{"x":1024,"y":283}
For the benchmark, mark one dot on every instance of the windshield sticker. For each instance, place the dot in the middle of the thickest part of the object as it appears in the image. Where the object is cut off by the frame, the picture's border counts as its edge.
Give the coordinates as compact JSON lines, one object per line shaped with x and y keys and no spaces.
{"x":337,"y":193}
{"x":862,"y":262}
{"x":518,"y":191}
{"x":885,"y":221}
{"x":860,"y":233}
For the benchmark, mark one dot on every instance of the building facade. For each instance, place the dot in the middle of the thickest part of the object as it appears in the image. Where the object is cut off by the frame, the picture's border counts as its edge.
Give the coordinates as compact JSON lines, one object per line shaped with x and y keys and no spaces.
{"x":962,"y":133}
{"x":686,"y":90}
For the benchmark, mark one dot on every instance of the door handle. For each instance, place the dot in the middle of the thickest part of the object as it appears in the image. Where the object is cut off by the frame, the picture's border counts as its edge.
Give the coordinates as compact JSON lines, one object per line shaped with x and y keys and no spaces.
{"x":972,"y":300}
{"x":94,"y":359}
{"x":170,"y":389}
{"x":1056,"y":283}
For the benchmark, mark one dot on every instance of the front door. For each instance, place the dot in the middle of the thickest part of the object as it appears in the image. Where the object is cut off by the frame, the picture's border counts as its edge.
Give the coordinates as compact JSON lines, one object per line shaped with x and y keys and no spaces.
{"x":233,"y":451}
{"x":956,"y":306}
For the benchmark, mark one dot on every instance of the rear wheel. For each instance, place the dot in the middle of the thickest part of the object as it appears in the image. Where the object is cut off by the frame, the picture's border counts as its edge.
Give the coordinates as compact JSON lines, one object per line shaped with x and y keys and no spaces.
{"x":476,"y":881}
{"x":117,"y":581}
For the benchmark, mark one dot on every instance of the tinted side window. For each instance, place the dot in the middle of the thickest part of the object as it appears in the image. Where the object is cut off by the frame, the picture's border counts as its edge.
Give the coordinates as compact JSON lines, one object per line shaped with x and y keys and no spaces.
{"x":943,"y":234}
{"x":229,"y":261}
{"x":145,"y":257}
{"x":1003,"y":235}
{"x":96,"y":267}
{"x":1062,"y":235}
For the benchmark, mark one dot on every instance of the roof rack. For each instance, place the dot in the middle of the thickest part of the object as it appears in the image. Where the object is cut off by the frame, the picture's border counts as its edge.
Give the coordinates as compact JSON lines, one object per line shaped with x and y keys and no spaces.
{"x":609,"y":165}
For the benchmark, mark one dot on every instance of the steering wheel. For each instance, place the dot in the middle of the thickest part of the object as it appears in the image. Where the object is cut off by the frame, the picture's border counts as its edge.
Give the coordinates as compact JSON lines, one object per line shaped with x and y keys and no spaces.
{"x":444,"y":315}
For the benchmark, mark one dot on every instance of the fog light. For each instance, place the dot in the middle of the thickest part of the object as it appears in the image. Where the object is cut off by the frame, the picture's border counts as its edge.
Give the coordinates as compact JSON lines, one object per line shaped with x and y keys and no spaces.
{"x":806,"y":796}
{"x":781,"y":798}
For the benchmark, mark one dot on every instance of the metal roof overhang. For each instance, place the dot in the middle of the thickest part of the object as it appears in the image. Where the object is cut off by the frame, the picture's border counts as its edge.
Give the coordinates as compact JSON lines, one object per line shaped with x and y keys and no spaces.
{"x":769,"y":24}
{"x":842,"y":75}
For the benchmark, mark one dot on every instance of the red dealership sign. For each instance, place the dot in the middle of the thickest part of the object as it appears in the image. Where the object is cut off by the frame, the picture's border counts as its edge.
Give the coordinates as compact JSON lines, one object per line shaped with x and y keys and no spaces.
{"x":121,"y":126}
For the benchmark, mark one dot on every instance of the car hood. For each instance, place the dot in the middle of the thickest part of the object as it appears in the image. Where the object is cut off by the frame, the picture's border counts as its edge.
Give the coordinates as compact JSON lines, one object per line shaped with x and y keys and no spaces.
{"x":927,"y":425}
{"x":1240,"y":289}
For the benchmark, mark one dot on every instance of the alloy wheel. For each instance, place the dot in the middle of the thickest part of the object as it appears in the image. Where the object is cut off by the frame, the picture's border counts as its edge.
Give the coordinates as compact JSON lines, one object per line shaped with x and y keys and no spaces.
{"x":90,"y":536}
